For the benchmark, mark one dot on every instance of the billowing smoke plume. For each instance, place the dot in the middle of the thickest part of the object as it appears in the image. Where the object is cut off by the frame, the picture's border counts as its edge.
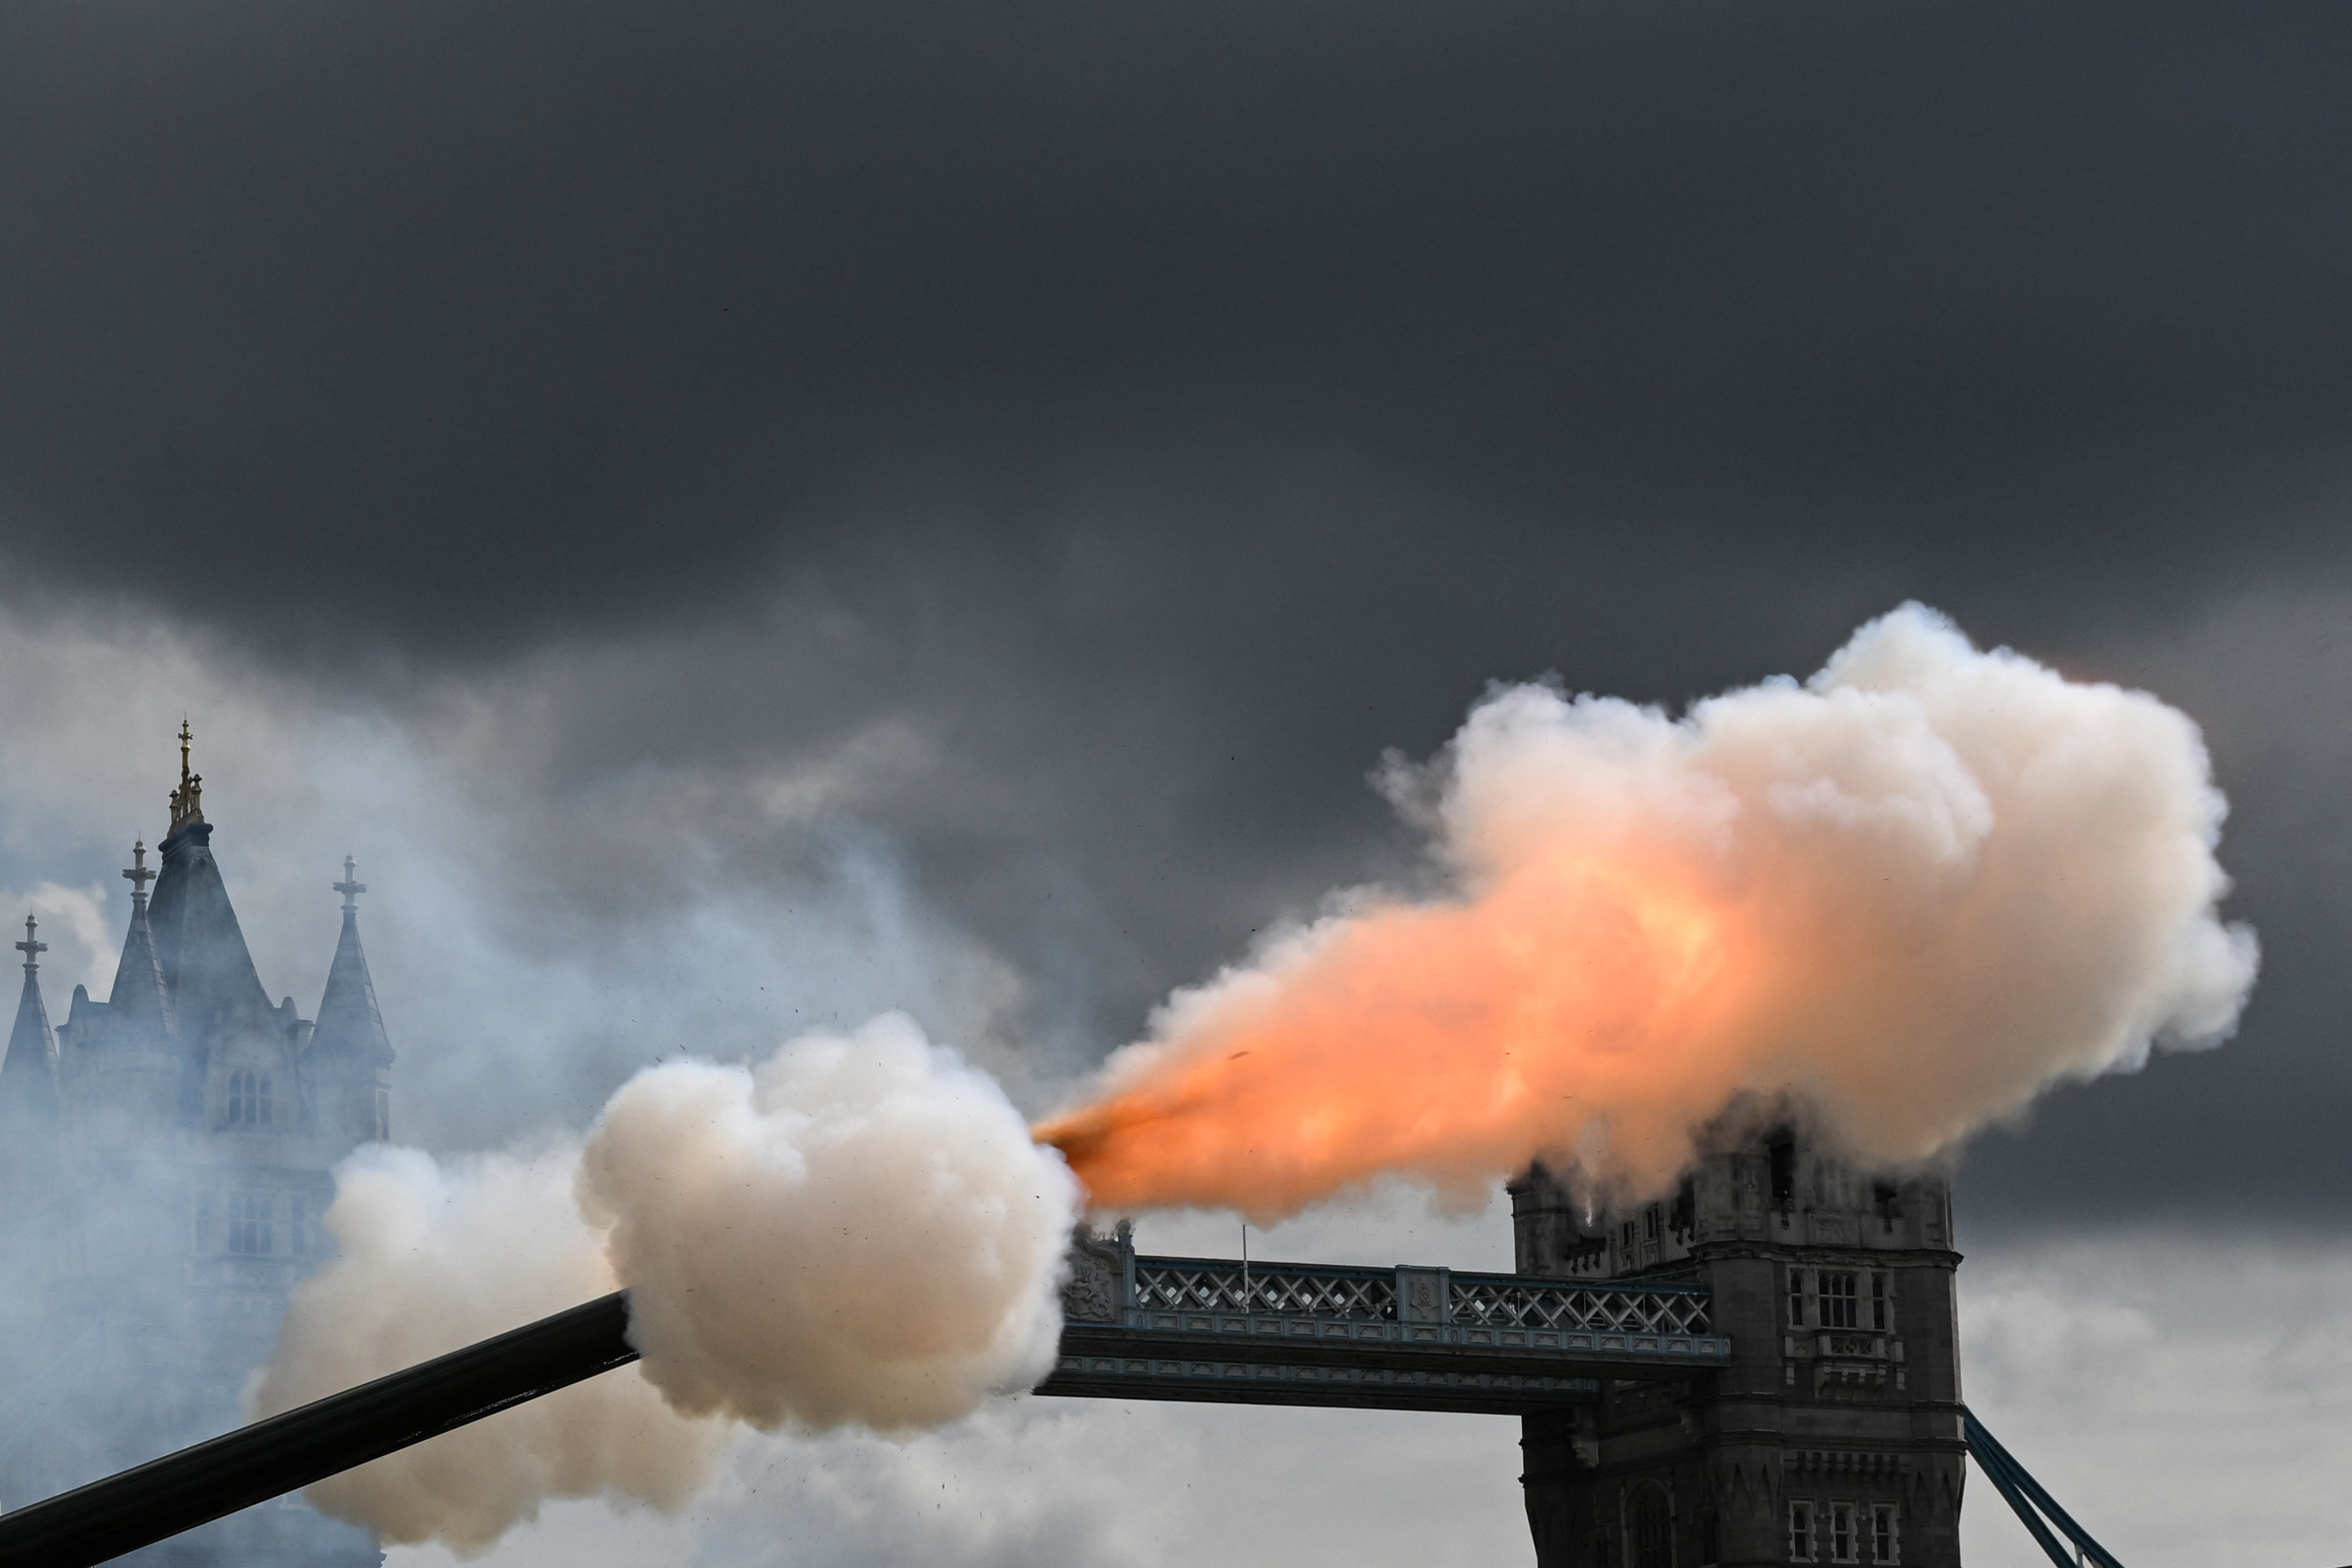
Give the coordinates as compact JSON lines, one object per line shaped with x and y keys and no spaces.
{"x":438,"y":1257}
{"x":856,"y":1230}
{"x":1913,"y":892}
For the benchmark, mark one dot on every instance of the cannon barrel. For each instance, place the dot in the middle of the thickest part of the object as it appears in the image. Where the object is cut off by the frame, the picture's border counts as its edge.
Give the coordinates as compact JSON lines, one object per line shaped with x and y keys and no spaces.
{"x":256,"y":1463}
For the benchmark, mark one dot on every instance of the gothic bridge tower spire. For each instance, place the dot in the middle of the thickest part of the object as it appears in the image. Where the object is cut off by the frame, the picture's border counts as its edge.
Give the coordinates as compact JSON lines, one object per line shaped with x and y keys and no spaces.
{"x":140,"y":996}
{"x":214,"y":984}
{"x":28,"y":1072}
{"x":348,"y":1050}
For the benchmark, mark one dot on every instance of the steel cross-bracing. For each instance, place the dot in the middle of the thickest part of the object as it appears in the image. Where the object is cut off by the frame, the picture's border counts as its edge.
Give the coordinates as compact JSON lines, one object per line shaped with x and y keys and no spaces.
{"x":1407,"y":1338}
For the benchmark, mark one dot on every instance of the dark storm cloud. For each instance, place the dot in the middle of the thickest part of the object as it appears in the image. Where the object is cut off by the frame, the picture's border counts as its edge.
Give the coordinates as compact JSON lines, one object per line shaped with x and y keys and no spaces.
{"x":1162,"y":409}
{"x":480,"y":318}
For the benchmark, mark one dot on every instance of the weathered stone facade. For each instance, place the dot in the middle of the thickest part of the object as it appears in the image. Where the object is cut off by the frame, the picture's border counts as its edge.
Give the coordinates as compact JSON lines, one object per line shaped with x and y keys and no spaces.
{"x":1835,"y":1437}
{"x":165,"y":1162}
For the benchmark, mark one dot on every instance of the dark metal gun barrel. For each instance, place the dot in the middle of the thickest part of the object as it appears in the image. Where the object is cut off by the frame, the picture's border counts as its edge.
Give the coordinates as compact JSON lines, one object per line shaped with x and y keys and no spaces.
{"x":253,"y":1464}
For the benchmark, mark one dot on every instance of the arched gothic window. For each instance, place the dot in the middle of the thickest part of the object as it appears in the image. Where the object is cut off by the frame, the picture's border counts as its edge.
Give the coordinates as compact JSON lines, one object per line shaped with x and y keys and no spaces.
{"x":1885,"y":1543}
{"x":249,"y":1099}
{"x":1801,"y":1537}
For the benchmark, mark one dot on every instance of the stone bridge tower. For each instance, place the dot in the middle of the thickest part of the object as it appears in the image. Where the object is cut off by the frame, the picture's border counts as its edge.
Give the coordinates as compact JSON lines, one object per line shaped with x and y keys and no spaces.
{"x":1835,"y":1436}
{"x":165,"y":1162}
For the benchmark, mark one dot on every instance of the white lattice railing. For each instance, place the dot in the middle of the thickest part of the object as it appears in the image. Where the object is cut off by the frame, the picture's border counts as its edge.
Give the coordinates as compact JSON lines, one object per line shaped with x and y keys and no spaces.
{"x":1490,"y":1301}
{"x":1190,"y":1285}
{"x":1512,"y":1301}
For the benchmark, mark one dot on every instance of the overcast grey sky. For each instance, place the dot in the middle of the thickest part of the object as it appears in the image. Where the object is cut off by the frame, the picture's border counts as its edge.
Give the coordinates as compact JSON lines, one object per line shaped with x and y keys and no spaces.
{"x":746,"y":514}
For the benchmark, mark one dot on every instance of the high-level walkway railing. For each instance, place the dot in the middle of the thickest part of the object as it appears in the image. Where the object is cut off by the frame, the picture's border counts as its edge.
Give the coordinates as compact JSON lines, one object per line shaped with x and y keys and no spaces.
{"x":1410,"y":1338}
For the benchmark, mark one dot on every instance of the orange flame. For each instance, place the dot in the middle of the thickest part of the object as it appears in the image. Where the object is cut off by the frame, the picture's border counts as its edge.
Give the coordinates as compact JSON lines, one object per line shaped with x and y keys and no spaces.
{"x":1545,"y":1012}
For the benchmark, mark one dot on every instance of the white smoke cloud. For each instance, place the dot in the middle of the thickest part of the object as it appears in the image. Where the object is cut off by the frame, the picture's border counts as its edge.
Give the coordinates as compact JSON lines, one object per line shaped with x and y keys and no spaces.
{"x":859,"y":1230}
{"x":435,"y":1257}
{"x":1914,"y":891}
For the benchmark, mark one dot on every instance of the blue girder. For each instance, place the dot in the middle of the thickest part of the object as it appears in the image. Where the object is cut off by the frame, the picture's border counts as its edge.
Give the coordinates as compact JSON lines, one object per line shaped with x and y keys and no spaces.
{"x":2034,"y":1506}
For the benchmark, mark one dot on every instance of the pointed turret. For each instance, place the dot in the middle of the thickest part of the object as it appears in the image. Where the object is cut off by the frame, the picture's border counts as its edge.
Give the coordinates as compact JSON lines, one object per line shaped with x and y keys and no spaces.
{"x":29,"y":1073}
{"x":349,"y":1021}
{"x":349,"y":1057}
{"x":198,"y":942}
{"x":140,"y":1000}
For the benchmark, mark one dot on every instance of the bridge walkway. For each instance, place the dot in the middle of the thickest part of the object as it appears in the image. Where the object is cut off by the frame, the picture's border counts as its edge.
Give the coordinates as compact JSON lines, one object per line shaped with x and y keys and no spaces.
{"x":1405,"y":1338}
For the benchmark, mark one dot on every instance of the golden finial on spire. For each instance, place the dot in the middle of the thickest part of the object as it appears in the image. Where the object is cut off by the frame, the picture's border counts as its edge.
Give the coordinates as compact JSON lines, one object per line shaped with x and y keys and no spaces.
{"x":187,"y":800}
